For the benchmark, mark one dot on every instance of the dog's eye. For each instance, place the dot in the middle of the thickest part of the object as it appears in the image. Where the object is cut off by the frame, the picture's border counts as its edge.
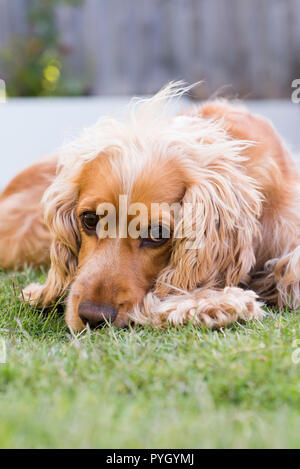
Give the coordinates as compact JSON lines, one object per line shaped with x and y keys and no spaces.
{"x":89,"y":221}
{"x":156,"y":236}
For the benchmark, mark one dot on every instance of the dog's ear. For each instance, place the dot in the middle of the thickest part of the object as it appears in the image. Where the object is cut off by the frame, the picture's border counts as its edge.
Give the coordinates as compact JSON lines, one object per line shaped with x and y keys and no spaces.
{"x":219,"y":224}
{"x":61,"y":220}
{"x":59,"y":208}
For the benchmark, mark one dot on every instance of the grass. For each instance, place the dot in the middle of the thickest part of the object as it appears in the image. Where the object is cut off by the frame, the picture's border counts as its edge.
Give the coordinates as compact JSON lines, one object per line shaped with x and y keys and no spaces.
{"x":138,"y":388}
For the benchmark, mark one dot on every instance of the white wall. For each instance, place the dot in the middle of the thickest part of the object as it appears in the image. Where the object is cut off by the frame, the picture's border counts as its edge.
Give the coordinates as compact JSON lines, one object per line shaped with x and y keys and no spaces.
{"x":31,"y":128}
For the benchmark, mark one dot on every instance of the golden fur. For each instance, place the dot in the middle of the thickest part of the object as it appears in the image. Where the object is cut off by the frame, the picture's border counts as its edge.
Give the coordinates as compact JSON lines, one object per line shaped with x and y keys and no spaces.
{"x":230,"y":164}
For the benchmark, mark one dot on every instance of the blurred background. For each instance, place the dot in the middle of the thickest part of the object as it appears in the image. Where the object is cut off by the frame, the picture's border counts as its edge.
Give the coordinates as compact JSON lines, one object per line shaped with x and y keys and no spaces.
{"x":75,"y":47}
{"x":104,"y":51}
{"x":92,"y":47}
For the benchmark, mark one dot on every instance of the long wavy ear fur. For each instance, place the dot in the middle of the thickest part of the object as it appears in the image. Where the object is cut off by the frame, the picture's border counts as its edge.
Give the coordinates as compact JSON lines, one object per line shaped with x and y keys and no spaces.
{"x":59,"y":207}
{"x":60,"y":217}
{"x":226,"y":206}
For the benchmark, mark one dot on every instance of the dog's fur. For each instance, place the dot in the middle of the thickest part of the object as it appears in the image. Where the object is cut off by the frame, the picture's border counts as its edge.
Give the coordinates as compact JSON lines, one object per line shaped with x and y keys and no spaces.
{"x":220,"y":157}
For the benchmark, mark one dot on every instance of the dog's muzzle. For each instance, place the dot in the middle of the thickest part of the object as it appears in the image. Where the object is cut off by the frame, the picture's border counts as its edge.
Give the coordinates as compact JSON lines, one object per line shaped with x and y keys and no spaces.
{"x":96,"y":314}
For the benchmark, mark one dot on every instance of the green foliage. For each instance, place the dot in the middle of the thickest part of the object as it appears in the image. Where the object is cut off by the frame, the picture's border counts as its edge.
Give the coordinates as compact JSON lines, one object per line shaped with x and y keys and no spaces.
{"x":33,"y":65}
{"x":178,"y":388}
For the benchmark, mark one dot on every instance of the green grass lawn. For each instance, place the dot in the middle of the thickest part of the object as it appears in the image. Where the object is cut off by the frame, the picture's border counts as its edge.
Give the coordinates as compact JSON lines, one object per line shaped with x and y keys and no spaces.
{"x":137,"y":388}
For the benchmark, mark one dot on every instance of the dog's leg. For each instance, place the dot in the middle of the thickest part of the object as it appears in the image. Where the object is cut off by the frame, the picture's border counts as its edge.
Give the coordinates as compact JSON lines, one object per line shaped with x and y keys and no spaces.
{"x":212,"y":308}
{"x":279,"y":282}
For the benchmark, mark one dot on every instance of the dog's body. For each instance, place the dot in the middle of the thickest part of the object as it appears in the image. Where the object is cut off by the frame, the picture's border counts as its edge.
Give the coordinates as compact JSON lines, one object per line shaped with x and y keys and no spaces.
{"x":249,"y":220}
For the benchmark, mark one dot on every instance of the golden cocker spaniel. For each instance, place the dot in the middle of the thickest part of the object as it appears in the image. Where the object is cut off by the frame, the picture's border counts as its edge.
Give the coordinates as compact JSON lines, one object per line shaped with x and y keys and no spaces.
{"x":238,"y":245}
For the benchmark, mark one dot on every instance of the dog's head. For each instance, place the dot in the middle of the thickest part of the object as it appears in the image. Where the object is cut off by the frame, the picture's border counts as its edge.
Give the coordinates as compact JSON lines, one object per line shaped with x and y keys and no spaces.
{"x":115,"y":213}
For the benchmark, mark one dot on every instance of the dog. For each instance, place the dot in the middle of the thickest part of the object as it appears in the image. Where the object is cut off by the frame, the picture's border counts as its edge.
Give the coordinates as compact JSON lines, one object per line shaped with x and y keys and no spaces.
{"x":230,"y":166}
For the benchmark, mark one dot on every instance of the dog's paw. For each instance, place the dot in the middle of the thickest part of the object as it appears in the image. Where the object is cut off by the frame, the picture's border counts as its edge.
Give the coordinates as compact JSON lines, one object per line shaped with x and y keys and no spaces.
{"x":217,"y":309}
{"x":32,"y":294}
{"x":212,"y":308}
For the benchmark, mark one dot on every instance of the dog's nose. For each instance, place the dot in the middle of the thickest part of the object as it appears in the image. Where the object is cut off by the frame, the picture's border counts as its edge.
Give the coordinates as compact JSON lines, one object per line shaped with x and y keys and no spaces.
{"x":95,"y":314}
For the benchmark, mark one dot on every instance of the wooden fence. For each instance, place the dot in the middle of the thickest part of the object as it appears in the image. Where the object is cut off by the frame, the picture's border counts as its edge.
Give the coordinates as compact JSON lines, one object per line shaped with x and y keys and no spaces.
{"x":249,"y":48}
